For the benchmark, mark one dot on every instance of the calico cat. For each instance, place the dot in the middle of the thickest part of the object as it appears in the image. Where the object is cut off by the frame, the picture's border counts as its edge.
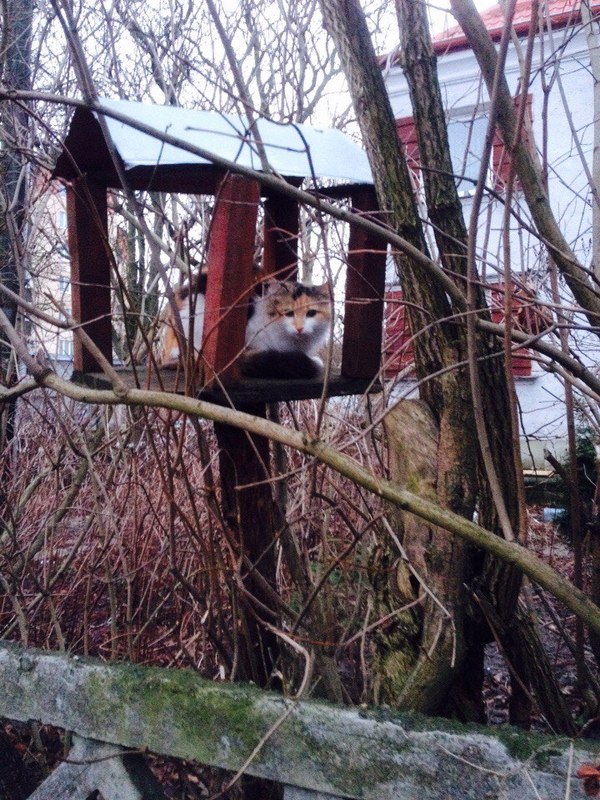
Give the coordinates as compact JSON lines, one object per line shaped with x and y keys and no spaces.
{"x":168,"y":355}
{"x":287,"y":327}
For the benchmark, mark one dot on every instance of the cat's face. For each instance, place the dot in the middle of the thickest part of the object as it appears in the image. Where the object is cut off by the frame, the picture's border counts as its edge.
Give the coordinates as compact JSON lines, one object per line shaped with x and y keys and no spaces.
{"x":299,"y":311}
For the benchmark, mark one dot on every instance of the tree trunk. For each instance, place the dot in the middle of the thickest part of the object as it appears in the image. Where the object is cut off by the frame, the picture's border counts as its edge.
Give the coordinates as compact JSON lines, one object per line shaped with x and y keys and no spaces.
{"x":491,"y":395}
{"x":441,"y":346}
{"x":16,"y":74}
{"x":418,"y":655}
{"x":455,"y":473}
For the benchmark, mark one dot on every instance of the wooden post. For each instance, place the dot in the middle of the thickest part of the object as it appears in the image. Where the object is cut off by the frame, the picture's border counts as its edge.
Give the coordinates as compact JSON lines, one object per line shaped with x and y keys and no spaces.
{"x":249,"y":512}
{"x":99,"y":768}
{"x":230,"y":278}
{"x":244,"y":469}
{"x":281,"y":228}
{"x":365,"y":286}
{"x":244,"y":460}
{"x":90,"y":269}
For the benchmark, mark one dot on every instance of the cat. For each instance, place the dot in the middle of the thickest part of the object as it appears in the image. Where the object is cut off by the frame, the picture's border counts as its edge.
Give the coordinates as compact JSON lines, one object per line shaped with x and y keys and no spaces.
{"x":168,"y":354}
{"x":287,"y":327}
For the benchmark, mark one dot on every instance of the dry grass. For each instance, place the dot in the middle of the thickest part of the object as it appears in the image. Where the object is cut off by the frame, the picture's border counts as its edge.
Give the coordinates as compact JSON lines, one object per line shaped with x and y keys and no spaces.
{"x":139,"y":565}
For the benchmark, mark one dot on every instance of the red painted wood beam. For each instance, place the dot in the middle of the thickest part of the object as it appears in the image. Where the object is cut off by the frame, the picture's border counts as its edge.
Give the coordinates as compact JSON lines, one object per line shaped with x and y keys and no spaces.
{"x":281,"y":228}
{"x":230,"y":279}
{"x":365,"y":286}
{"x":90,"y":269}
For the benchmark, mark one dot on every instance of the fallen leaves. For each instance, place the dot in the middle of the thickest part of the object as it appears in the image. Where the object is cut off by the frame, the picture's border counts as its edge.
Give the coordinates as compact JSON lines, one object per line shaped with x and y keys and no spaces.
{"x":590,"y":775}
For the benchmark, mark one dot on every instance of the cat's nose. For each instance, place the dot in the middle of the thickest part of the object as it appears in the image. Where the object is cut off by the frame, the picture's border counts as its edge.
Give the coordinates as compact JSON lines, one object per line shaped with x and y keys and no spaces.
{"x":299,"y":330}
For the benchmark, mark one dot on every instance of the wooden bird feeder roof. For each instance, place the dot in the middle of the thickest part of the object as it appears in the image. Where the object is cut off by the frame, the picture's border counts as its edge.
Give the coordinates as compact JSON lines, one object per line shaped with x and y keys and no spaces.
{"x":168,"y":149}
{"x":137,"y":132}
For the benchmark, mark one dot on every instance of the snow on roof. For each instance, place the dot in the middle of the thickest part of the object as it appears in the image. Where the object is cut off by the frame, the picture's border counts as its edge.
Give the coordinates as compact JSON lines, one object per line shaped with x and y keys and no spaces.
{"x":292,"y":150}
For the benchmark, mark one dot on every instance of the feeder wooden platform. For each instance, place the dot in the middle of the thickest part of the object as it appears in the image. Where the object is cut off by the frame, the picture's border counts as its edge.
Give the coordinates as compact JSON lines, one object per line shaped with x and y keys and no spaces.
{"x":249,"y":391}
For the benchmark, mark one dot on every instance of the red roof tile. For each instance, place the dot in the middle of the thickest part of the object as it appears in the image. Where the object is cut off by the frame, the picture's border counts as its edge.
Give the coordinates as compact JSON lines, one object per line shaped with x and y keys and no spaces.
{"x":561,"y":13}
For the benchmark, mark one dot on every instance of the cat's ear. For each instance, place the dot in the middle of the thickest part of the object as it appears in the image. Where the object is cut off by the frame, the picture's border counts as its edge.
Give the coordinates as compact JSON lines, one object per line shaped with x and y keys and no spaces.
{"x":273,"y":287}
{"x":180,"y":293}
{"x":323,"y":289}
{"x":199,"y":279}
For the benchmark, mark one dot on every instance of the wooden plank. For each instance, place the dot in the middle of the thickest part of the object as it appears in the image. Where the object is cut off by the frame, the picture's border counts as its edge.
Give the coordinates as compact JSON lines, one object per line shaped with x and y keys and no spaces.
{"x":90,"y":269}
{"x":371,"y":755}
{"x":177,"y":178}
{"x":69,"y":782}
{"x":281,"y":228}
{"x":95,"y":766}
{"x":248,"y":392}
{"x":85,"y":152}
{"x":294,"y":793}
{"x":257,"y":390}
{"x":365,"y":286}
{"x":341,"y":191}
{"x":230,"y":279}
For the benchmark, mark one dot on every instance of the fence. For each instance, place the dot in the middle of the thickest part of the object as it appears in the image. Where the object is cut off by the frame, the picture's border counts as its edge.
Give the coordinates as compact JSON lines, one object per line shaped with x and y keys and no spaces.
{"x":318,"y":751}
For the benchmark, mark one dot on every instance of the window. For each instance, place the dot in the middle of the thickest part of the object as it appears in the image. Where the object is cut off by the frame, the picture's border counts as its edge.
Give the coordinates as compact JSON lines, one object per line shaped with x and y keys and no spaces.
{"x":528,"y":315}
{"x":64,"y":348}
{"x":466,"y":137}
{"x":63,"y":283}
{"x":398,"y":351}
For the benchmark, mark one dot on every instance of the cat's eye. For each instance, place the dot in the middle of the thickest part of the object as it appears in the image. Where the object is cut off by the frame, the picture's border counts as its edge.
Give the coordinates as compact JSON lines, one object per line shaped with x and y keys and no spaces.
{"x":289,"y":313}
{"x":311,"y":312}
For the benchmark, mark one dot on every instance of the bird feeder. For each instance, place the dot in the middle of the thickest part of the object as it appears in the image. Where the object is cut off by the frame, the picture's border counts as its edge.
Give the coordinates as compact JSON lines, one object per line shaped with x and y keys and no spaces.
{"x":165,"y":149}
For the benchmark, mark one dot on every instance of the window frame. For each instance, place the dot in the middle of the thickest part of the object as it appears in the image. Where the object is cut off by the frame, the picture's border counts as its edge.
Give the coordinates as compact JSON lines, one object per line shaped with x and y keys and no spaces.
{"x":499,"y":166}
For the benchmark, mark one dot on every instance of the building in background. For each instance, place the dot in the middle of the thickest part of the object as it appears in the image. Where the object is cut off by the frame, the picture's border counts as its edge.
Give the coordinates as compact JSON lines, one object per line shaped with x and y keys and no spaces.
{"x":559,"y":123}
{"x":49,"y":274}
